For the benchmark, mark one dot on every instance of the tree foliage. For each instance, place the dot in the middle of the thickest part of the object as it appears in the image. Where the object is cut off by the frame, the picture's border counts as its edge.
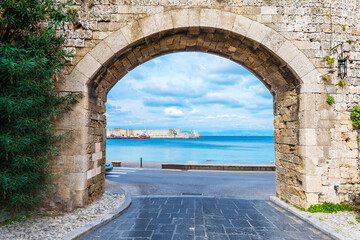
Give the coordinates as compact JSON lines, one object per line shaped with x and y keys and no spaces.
{"x":30,"y":54}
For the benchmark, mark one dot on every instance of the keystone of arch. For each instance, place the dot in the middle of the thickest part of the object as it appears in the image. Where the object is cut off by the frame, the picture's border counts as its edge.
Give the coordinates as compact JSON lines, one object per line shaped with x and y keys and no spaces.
{"x":195,"y":17}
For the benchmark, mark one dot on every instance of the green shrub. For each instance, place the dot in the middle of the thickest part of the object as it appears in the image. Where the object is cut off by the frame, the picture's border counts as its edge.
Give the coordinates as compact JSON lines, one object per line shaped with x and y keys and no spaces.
{"x":30,"y":55}
{"x":358,"y":218}
{"x":324,"y":78}
{"x":330,"y":100}
{"x":355,"y":117}
{"x":328,"y":207}
{"x":91,"y":4}
{"x":300,"y":208}
{"x":341,"y":83}
{"x":329,"y":60}
{"x":72,"y":12}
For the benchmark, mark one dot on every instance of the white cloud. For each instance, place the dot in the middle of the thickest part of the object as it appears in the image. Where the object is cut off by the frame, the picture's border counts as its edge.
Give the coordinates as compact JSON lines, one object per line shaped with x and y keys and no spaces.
{"x":191,"y":90}
{"x":173,"y":111}
{"x":230,"y":116}
{"x":194,"y":111}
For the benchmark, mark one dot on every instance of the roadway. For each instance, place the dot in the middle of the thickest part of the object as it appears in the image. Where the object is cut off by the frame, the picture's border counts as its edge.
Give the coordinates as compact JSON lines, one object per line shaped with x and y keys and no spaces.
{"x":143,"y":182}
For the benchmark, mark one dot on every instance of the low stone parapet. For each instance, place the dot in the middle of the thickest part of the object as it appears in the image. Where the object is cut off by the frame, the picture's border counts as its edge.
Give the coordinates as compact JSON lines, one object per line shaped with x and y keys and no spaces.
{"x":219,"y":167}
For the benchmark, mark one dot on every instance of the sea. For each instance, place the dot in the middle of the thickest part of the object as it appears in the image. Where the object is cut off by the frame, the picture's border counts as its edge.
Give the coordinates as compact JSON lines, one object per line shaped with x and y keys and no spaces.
{"x":206,"y":149}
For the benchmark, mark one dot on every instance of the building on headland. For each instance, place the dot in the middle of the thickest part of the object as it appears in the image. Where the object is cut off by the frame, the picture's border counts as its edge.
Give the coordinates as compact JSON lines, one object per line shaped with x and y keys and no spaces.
{"x":153,"y":133}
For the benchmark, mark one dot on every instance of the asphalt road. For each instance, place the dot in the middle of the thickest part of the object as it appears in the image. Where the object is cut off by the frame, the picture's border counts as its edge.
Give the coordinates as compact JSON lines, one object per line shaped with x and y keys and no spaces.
{"x":144,"y":182}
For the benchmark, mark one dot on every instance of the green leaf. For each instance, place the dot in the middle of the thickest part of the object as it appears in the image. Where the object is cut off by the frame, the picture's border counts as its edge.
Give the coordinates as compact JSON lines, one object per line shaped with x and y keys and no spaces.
{"x":30,"y":54}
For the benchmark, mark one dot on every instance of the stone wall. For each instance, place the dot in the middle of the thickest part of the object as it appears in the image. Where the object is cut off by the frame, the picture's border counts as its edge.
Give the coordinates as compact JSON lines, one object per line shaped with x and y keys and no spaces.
{"x":282,"y":42}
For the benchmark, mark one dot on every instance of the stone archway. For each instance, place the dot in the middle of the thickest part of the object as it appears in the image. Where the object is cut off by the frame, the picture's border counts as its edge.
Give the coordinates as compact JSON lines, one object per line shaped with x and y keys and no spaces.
{"x":283,"y":68}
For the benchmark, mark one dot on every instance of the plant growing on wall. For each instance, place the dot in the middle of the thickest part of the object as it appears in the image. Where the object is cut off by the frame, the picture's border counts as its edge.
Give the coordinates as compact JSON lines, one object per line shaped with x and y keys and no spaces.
{"x":355,"y":116}
{"x":341,"y":83}
{"x":91,"y":4}
{"x":324,"y":77}
{"x":330,"y":100}
{"x":30,"y":55}
{"x":329,"y":60}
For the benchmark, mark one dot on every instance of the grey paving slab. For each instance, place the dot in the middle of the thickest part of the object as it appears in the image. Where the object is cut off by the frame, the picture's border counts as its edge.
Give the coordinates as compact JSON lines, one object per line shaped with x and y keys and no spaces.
{"x":205,"y":218}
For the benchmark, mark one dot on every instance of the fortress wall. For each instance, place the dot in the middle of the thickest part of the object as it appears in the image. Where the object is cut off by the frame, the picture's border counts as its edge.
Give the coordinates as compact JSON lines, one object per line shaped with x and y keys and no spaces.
{"x":153,"y":133}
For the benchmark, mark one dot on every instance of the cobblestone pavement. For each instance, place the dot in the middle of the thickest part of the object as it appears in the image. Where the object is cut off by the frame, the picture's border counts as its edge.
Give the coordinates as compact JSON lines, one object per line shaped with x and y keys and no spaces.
{"x":200,"y":218}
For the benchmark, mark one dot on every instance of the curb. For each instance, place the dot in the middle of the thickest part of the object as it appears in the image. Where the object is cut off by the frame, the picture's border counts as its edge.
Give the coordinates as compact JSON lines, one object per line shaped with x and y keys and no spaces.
{"x":330,"y":231}
{"x":78,"y":233}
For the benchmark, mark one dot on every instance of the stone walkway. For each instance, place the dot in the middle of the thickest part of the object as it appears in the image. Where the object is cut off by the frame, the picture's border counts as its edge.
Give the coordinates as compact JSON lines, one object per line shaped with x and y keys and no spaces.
{"x":200,"y":218}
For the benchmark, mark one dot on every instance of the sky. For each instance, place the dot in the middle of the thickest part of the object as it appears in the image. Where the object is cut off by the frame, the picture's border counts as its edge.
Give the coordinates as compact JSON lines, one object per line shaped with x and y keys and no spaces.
{"x":194,"y":91}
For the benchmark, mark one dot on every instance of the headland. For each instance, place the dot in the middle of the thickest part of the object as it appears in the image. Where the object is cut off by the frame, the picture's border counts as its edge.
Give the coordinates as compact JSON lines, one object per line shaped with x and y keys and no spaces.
{"x":153,"y":133}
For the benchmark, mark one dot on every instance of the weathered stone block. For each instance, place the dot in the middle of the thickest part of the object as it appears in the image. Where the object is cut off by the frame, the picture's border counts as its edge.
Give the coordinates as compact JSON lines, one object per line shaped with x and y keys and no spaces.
{"x":226,"y":20}
{"x":80,"y":198}
{"x":76,"y":81}
{"x":102,"y":52}
{"x":194,"y":17}
{"x":334,"y":173}
{"x":312,"y":184}
{"x":116,"y":41}
{"x":311,"y":166}
{"x":307,"y":102}
{"x":132,"y":32}
{"x":88,"y":66}
{"x":309,"y":119}
{"x":164,"y":21}
{"x":311,"y":151}
{"x":273,"y":40}
{"x":268,"y":10}
{"x":97,"y":147}
{"x":323,"y":137}
{"x":287,"y":51}
{"x":180,"y":18}
{"x":78,"y":181}
{"x":242,"y":25}
{"x":208,"y":17}
{"x":81,"y":163}
{"x":148,"y":25}
{"x":302,"y":65}
{"x":307,"y":137}
{"x":257,"y":31}
{"x":94,"y":156}
{"x":90,"y":174}
{"x":311,"y":199}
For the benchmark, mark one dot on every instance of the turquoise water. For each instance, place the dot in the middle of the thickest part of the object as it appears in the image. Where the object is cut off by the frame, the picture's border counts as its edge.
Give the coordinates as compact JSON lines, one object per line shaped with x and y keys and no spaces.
{"x":214,"y":150}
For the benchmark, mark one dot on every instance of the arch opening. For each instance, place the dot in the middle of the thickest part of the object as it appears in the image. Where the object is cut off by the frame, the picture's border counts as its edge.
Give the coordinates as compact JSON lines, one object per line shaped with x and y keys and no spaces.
{"x":273,"y":72}
{"x":200,"y":93}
